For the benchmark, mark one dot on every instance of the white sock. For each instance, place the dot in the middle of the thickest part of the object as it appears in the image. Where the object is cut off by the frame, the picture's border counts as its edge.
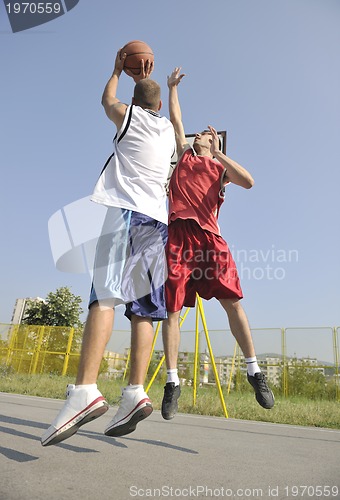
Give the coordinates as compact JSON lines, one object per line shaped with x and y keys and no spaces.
{"x":133,"y":387}
{"x":86,"y":386}
{"x":172,"y":376}
{"x":252,"y":366}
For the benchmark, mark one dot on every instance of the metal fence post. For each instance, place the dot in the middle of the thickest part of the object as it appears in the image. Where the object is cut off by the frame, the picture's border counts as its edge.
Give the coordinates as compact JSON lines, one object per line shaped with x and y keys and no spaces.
{"x":336,"y":362}
{"x":284,"y":363}
{"x":11,"y":342}
{"x":37,"y":350}
{"x":67,"y":353}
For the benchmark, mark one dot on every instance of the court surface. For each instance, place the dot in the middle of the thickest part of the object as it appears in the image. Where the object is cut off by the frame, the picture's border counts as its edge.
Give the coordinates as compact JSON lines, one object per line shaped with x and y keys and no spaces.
{"x":188,"y":457}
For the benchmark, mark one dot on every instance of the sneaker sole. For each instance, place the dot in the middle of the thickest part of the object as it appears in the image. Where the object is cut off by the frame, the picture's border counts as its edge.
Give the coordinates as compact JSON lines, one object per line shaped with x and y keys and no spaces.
{"x":263,"y":403}
{"x":169,"y":416}
{"x":130,"y":426}
{"x":72,"y":427}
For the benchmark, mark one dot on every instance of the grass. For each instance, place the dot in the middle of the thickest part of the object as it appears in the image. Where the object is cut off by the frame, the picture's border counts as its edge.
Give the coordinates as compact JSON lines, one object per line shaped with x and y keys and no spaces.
{"x":291,"y":410}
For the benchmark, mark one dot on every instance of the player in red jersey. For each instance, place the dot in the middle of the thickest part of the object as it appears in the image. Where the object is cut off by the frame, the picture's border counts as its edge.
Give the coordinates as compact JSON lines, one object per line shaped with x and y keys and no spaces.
{"x":198,"y":258}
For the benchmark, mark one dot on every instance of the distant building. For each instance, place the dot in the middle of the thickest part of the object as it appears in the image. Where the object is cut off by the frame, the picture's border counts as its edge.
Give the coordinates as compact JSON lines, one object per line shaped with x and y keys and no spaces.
{"x":272,"y":368}
{"x":20,"y":309}
{"x":226,"y":366}
{"x":310,"y":363}
{"x":116,"y":363}
{"x":184,"y":359}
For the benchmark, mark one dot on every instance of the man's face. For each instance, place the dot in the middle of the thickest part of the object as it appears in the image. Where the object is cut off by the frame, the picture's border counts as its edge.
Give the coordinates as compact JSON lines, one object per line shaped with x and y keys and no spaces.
{"x":203,"y":139}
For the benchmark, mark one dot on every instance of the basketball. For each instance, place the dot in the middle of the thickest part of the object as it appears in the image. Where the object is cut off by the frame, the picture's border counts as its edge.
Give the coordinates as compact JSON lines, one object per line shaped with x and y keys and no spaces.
{"x":135,"y":51}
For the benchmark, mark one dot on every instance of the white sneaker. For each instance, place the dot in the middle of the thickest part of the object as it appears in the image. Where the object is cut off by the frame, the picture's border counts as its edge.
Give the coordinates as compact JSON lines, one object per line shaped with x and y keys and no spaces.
{"x":81,"y":406}
{"x":134,"y":407}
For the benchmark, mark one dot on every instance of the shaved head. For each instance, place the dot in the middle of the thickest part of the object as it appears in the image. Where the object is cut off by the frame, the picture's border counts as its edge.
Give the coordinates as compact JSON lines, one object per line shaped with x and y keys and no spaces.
{"x":147,"y":94}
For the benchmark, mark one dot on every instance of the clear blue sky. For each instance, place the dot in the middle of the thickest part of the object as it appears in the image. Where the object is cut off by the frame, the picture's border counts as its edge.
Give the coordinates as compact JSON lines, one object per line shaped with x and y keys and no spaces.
{"x":267,"y":72}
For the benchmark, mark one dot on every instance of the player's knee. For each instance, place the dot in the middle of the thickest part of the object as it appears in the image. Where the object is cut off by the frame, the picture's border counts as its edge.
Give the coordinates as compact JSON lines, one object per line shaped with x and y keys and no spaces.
{"x":173,"y":318}
{"x":231,"y":305}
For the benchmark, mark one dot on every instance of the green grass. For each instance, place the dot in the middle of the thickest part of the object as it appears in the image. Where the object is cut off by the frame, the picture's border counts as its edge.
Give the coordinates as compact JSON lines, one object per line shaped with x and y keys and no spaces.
{"x":291,"y":410}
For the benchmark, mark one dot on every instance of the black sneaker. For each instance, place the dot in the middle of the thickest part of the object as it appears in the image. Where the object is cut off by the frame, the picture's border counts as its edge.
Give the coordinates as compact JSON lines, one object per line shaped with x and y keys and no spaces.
{"x":263,"y":394}
{"x":169,"y":404}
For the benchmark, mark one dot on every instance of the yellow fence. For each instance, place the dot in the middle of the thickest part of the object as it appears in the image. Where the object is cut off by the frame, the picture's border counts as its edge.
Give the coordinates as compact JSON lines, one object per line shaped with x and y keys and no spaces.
{"x":45,"y":349}
{"x":39,"y":349}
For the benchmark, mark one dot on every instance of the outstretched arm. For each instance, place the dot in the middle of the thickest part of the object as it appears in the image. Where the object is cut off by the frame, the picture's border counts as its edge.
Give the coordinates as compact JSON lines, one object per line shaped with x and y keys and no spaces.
{"x":175,"y":111}
{"x":114,"y":109}
{"x":235,"y":173}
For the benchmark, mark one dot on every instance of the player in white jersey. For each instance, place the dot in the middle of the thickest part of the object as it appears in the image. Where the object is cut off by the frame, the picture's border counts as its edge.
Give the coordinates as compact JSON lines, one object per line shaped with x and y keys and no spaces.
{"x":129,"y":264}
{"x":130,"y":179}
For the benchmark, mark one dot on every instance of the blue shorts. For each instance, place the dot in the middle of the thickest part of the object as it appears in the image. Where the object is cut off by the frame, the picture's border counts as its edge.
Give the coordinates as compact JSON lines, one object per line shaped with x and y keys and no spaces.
{"x":130,"y":264}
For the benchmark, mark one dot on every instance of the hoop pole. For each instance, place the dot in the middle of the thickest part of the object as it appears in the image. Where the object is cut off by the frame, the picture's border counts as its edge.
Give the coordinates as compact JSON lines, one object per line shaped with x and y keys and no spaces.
{"x":194,"y":395}
{"x":217,"y":380}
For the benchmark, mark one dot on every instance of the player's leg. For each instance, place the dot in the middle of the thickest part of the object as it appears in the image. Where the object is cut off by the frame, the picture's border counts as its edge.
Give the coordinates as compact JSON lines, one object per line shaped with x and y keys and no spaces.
{"x":135,"y":404}
{"x":97,"y":333}
{"x":84,"y":401}
{"x":171,"y":339}
{"x":239,"y":327}
{"x":141,"y":345}
{"x":145,"y":271}
{"x":171,"y":342}
{"x":180,"y":257}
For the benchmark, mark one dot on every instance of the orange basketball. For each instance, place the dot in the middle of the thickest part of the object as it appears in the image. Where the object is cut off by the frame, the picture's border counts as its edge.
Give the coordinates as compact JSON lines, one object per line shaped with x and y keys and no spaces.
{"x":136,"y":50}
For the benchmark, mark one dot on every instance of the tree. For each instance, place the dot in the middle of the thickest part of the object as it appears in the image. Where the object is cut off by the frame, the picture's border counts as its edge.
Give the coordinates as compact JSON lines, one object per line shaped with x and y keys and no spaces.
{"x":60,"y":308}
{"x":240,"y":382}
{"x":305,"y":380}
{"x":58,"y":313}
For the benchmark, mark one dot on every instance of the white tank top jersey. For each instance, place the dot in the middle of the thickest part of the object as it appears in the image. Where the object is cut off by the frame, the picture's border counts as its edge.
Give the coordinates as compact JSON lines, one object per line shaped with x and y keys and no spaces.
{"x":135,"y":175}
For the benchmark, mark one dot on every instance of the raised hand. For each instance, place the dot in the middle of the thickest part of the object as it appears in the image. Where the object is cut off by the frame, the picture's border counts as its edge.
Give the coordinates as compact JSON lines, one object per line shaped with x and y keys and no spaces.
{"x":175,"y":77}
{"x":119,"y":62}
{"x":215,"y":143}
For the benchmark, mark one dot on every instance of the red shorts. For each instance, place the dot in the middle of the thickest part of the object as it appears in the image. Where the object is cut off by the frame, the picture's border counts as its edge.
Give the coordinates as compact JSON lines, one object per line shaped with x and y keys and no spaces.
{"x":198,"y":262}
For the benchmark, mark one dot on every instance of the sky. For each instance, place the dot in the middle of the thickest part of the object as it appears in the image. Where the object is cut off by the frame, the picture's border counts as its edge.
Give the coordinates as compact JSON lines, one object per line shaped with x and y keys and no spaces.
{"x":266,"y":72}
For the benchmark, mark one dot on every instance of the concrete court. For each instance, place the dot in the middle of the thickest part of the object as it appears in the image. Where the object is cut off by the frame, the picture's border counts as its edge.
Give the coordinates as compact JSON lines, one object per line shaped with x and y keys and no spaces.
{"x":189,"y":457}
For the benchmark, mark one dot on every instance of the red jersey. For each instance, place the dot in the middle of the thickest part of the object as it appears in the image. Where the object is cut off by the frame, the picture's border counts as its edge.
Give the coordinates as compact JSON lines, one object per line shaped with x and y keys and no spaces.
{"x":195,"y":190}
